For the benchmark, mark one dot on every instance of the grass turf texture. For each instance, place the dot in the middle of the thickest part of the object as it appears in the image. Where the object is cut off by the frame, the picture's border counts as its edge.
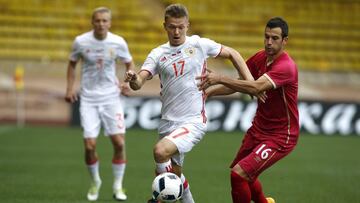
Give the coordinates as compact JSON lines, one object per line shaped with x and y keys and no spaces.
{"x":45,"y":164}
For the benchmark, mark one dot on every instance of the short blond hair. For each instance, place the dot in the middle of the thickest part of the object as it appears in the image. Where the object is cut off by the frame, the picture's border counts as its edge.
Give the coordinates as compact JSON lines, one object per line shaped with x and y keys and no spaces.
{"x":101,"y":10}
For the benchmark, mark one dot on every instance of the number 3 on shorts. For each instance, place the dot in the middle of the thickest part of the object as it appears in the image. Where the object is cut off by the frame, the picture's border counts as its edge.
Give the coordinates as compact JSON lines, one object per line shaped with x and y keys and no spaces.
{"x":263,"y":151}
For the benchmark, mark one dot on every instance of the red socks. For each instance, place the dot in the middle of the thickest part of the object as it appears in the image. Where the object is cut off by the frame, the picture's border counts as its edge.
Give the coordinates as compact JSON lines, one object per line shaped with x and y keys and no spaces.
{"x":257,"y":194}
{"x":240,"y":190}
{"x":244,"y":191}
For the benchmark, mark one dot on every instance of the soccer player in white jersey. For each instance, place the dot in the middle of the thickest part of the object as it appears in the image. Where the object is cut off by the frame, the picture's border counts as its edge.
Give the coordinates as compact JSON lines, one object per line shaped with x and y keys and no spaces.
{"x":100,"y":104}
{"x":178,"y":63}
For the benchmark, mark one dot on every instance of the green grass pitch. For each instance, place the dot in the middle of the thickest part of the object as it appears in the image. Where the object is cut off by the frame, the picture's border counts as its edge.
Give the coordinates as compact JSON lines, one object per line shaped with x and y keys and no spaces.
{"x":45,"y":164}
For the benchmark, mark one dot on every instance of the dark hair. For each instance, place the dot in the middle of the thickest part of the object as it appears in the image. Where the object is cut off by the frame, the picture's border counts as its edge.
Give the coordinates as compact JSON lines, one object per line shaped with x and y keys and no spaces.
{"x":279,"y":22}
{"x":176,"y":11}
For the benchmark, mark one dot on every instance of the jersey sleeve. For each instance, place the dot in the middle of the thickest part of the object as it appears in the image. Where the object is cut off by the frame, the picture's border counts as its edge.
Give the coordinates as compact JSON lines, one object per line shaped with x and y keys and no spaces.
{"x":150,"y":63}
{"x":75,"y":51}
{"x":210,"y":47}
{"x":282,"y":74}
{"x":123,"y":52}
{"x":251,"y":65}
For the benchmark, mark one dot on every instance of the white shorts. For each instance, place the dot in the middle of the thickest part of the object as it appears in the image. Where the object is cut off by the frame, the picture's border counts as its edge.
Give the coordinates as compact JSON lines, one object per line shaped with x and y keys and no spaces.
{"x":185,"y":135}
{"x":110,"y":116}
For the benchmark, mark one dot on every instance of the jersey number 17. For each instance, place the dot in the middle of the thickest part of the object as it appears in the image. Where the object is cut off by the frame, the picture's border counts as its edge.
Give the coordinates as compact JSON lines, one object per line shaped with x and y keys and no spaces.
{"x":179,"y":67}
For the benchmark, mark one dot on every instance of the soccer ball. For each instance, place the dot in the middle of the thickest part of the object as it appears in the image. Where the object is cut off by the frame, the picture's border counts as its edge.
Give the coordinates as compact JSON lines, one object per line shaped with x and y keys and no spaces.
{"x":167,"y":187}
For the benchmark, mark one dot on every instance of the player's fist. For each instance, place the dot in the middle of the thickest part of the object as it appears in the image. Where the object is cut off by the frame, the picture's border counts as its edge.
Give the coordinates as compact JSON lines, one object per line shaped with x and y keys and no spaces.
{"x":130,"y":76}
{"x":71,"y":97}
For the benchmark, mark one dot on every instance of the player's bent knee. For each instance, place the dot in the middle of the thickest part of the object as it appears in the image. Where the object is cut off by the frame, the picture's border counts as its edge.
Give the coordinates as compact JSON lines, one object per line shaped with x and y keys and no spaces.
{"x":163,"y":150}
{"x":118,"y":139}
{"x":90,"y":146}
{"x":160,"y":154}
{"x":89,"y":150}
{"x":238,"y":170}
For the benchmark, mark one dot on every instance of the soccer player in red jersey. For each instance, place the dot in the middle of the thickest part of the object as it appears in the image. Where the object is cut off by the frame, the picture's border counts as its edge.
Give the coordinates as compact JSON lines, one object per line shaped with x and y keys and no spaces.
{"x":275,"y":128}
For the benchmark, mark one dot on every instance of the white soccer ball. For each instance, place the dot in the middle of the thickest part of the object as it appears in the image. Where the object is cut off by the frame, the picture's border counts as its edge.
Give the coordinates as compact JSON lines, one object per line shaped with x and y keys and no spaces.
{"x":167,"y":187}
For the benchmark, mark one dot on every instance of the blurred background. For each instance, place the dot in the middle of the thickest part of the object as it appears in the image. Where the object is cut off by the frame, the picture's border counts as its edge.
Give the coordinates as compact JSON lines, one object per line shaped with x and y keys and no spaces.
{"x":36,"y":38}
{"x":43,"y":161}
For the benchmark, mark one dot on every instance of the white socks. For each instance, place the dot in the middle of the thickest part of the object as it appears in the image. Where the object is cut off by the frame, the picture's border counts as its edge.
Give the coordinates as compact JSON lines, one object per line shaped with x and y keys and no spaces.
{"x":163,"y":167}
{"x":118,"y":172}
{"x":187,"y":196}
{"x":94,"y":172}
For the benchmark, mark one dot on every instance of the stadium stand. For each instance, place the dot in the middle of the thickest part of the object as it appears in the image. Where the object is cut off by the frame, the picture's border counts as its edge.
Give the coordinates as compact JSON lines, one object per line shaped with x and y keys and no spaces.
{"x":324,"y":34}
{"x":38,"y":34}
{"x":38,"y":29}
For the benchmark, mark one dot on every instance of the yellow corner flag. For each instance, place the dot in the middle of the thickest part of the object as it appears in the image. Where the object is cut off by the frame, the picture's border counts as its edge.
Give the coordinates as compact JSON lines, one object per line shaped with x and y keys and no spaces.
{"x":19,"y":77}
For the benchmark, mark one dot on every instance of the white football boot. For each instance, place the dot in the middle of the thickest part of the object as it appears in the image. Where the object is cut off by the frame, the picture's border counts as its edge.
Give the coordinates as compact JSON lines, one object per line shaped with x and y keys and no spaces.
{"x":119,"y":194}
{"x":93,"y":193}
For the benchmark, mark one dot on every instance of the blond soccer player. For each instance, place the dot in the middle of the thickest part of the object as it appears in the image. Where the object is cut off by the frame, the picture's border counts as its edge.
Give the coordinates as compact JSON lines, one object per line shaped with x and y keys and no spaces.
{"x":178,"y":63}
{"x":100,"y":103}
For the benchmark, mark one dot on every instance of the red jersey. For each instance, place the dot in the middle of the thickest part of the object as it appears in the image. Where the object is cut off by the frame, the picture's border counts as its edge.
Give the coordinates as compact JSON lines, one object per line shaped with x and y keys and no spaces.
{"x":278,"y":118}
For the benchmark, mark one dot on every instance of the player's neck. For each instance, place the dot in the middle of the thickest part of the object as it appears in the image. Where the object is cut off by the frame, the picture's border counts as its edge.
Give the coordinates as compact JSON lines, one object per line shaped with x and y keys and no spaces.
{"x":176,"y":45}
{"x":271,"y":58}
{"x":100,"y":36}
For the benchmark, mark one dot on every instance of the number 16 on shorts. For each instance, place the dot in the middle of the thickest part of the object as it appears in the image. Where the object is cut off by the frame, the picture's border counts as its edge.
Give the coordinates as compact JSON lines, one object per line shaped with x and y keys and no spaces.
{"x":263,"y":151}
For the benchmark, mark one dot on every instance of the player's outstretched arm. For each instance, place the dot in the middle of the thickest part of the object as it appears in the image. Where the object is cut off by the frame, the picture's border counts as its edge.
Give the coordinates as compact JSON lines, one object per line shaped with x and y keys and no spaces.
{"x":212,"y":81}
{"x":238,"y":62}
{"x":218,"y":90}
{"x":137,"y":80}
{"x":255,"y":88}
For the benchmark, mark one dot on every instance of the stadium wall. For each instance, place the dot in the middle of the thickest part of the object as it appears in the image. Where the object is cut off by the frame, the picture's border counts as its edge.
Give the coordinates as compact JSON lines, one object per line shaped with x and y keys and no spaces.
{"x":316,"y":117}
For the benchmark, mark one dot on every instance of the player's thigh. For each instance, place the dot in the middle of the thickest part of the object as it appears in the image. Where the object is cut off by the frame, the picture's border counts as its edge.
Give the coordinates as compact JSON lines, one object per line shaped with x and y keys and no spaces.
{"x":112,"y":116}
{"x":263,"y":156}
{"x":90,"y":120}
{"x":247,"y":145}
{"x":90,"y":144}
{"x":185,"y":137}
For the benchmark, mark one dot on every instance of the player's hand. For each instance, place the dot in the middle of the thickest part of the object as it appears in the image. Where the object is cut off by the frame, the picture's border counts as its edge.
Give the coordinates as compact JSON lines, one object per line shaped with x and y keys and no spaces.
{"x":130,"y":76}
{"x":208,"y":79}
{"x":262,"y":96}
{"x":125,"y":89}
{"x":71,"y":96}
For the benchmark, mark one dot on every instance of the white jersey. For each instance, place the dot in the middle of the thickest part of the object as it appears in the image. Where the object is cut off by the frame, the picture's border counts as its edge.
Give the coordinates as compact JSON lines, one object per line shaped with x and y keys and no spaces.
{"x":99,"y":83}
{"x":177,"y":68}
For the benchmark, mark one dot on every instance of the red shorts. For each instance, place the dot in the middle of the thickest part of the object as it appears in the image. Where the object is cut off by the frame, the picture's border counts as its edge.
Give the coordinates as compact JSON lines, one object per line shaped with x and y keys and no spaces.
{"x":254,"y":156}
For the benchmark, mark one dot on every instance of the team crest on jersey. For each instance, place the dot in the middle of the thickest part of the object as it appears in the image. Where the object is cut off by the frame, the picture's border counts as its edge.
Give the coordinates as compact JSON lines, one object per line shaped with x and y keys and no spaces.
{"x":190,"y":51}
